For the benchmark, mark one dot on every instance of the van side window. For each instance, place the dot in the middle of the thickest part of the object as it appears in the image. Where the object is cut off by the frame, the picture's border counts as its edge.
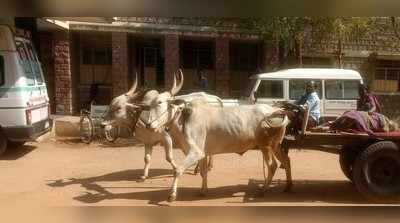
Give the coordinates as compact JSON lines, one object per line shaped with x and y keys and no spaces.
{"x":297,"y":88}
{"x":2,"y":70}
{"x":270,"y":89}
{"x":341,"y":89}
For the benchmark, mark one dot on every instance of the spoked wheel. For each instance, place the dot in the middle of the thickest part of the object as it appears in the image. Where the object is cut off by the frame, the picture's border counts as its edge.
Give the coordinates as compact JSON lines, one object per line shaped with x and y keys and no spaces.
{"x":377,"y":172}
{"x":86,"y":129}
{"x":111,"y":133}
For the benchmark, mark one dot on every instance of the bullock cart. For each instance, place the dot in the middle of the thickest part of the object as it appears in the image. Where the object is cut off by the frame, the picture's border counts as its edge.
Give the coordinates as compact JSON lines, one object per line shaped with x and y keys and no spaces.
{"x":371,"y":162}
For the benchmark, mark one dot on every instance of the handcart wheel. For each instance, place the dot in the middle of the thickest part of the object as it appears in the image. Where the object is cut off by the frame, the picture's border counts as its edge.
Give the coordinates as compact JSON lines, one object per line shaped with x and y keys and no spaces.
{"x":111,"y":133}
{"x":86,"y":129}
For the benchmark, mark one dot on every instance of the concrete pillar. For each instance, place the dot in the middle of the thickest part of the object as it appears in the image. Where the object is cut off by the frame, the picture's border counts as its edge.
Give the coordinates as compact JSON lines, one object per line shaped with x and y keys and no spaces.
{"x":222,"y":67}
{"x":171,"y":55}
{"x":120,"y":59}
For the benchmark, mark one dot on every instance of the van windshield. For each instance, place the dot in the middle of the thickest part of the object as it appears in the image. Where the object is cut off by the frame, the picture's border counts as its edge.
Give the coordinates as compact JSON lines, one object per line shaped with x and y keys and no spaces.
{"x":249,"y":87}
{"x":29,"y":62}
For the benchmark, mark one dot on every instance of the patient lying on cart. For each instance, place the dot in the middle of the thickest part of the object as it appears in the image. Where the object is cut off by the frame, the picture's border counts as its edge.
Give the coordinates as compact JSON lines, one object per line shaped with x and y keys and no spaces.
{"x":360,"y":122}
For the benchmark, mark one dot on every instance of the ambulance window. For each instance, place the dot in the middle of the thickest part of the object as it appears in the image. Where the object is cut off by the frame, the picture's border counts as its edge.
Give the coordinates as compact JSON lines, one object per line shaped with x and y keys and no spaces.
{"x":2,"y":70}
{"x":24,"y":61}
{"x":35,"y":62}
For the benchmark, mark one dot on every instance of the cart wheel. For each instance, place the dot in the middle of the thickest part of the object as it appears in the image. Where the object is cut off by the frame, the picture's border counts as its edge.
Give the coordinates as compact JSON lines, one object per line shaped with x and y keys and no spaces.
{"x":86,"y":129}
{"x":347,"y":157}
{"x":111,"y":133}
{"x":3,"y":143}
{"x":377,"y":172}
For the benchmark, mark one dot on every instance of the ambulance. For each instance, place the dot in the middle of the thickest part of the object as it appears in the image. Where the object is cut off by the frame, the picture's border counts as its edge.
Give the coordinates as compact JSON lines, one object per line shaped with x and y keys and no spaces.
{"x":24,"y":103}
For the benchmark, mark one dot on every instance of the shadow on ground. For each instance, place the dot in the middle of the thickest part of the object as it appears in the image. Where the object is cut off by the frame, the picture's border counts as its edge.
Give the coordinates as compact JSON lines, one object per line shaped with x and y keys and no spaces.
{"x":14,"y":153}
{"x":102,"y":143}
{"x":312,"y":191}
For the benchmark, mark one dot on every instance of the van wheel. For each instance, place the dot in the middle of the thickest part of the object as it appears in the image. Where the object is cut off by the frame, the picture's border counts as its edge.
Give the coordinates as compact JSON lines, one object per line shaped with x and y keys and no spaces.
{"x":377,"y":172}
{"x":3,"y":143}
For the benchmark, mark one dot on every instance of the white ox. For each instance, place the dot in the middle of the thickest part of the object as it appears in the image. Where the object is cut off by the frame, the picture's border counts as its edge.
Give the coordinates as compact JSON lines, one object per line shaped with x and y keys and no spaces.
{"x":124,"y":112}
{"x":203,"y":130}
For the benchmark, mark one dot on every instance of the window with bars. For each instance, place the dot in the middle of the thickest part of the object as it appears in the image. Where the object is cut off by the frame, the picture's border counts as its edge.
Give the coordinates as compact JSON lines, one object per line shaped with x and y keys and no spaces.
{"x":92,"y":56}
{"x":387,"y":73}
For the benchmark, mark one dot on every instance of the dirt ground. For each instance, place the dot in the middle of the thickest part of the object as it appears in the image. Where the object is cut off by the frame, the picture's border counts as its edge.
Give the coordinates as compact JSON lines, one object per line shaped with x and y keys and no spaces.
{"x":70,"y":173}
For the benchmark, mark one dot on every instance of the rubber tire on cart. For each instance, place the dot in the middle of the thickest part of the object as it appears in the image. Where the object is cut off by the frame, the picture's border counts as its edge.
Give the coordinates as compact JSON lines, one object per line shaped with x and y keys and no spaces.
{"x":377,"y":172}
{"x":86,"y":129}
{"x":347,"y":157}
{"x":3,"y":143}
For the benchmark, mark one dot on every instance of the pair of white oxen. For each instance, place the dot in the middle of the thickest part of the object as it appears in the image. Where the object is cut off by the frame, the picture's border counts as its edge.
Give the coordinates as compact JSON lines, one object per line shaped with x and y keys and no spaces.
{"x":199,"y":129}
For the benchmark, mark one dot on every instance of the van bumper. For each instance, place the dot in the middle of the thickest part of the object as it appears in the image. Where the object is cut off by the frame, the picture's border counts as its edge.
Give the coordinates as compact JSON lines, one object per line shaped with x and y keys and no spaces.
{"x":27,"y":132}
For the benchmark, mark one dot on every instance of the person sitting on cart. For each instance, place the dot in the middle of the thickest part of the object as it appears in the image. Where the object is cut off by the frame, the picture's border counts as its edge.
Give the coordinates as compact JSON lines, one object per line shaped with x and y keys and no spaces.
{"x":311,"y":99}
{"x":367,"y":101}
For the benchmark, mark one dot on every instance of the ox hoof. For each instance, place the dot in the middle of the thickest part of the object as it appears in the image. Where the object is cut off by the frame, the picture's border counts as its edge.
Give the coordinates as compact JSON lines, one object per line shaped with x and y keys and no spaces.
{"x":172,"y":198}
{"x":142,"y":179}
{"x":203,"y":193}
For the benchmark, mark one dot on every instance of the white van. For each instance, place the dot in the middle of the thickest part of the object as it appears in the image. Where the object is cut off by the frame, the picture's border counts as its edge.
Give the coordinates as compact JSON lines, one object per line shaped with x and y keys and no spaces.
{"x":337,"y":88}
{"x":24,"y":103}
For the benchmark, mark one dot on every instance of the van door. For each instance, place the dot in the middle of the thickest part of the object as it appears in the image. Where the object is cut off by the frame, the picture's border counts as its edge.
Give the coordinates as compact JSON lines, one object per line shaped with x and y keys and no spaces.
{"x":340,"y":96}
{"x":270,"y":91}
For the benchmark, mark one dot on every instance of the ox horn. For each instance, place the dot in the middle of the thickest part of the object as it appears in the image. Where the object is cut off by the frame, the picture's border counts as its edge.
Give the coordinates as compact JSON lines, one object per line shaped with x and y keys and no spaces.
{"x":177,"y":87}
{"x":134,"y":86}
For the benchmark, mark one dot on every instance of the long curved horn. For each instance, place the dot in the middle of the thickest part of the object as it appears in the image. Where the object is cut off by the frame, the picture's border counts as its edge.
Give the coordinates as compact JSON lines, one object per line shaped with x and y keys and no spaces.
{"x":177,"y":87}
{"x":134,"y":86}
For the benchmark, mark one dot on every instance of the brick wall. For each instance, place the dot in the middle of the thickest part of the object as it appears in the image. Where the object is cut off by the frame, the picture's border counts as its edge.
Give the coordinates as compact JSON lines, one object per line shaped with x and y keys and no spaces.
{"x":171,"y":61}
{"x":270,"y":55}
{"x":120,"y":58}
{"x":62,"y":74}
{"x":222,"y":67}
{"x":390,"y":105}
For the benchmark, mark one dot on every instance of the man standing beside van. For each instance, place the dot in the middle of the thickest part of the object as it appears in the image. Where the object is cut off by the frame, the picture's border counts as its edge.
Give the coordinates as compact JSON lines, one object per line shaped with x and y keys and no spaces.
{"x":312,"y":100}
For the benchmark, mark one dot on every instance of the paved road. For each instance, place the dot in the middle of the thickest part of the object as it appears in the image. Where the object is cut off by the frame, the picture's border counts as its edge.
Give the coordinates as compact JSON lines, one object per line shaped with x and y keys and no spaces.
{"x":69,"y":173}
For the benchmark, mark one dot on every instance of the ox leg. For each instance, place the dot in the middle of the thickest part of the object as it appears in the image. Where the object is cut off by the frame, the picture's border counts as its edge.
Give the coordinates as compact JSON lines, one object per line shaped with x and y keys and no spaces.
{"x":148,"y":150}
{"x":270,"y":161}
{"x":196,"y":169}
{"x":285,"y":161}
{"x":209,"y":166}
{"x":194,"y":155}
{"x":210,"y":163}
{"x":203,"y":172}
{"x":167,"y":141}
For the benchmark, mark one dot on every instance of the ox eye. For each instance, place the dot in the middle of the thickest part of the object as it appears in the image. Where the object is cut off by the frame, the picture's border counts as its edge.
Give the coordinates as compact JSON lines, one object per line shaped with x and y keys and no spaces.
{"x":159,"y":102}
